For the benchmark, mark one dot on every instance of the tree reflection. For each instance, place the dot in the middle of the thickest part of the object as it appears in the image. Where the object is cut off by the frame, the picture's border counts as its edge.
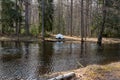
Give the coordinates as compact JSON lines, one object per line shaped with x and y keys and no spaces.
{"x":83,"y":49}
{"x":26,"y":50}
{"x":45,"y":58}
{"x":10,"y":51}
{"x":70,"y":48}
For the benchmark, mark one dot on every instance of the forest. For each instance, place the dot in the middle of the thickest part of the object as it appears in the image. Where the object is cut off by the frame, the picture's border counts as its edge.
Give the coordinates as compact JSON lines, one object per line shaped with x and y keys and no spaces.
{"x":29,"y":49}
{"x":81,"y":18}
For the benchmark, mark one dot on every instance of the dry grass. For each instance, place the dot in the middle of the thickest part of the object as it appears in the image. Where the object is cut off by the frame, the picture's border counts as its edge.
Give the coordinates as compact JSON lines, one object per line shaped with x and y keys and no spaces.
{"x":95,"y":72}
{"x":98,"y":72}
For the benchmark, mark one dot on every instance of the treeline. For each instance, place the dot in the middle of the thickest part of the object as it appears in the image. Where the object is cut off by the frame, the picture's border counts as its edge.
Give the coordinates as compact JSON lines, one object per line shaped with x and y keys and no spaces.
{"x":24,"y":17}
{"x":85,"y":18}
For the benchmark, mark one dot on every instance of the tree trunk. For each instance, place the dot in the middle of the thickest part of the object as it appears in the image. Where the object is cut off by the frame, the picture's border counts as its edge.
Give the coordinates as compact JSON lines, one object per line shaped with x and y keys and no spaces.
{"x":2,"y":17}
{"x":20,"y":21}
{"x":87,"y":19}
{"x":71,"y":26}
{"x":82,"y":21}
{"x":59,"y":16}
{"x":103,"y":24}
{"x":26,"y":17}
{"x":16,"y":22}
{"x":68,"y":23}
{"x":43,"y":23}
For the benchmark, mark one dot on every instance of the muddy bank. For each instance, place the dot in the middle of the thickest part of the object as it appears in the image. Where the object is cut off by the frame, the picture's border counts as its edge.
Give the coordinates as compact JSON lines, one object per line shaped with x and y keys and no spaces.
{"x":52,"y":39}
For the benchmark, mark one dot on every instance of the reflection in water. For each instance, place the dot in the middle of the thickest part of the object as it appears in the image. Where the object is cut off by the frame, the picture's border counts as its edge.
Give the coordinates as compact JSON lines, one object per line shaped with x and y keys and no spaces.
{"x":26,"y":50}
{"x":45,"y":56}
{"x":31,"y":60}
{"x":82,"y":49}
{"x":10,"y":51}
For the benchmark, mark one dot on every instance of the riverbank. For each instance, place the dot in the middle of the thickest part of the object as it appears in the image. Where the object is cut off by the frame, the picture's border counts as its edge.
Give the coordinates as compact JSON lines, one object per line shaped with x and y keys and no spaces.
{"x":96,"y":72}
{"x":99,"y":72}
{"x":52,"y":39}
{"x":105,"y":40}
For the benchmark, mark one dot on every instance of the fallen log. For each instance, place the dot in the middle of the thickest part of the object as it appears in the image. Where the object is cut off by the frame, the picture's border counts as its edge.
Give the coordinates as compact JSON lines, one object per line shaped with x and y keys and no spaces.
{"x":67,"y":76}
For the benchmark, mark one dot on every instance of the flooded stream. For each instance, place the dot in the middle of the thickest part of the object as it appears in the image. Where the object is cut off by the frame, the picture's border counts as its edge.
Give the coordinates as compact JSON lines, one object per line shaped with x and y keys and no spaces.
{"x":30,"y":61}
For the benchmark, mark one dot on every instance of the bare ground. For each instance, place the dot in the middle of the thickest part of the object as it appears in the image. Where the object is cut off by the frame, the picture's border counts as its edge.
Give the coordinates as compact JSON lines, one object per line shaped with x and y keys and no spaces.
{"x":105,"y":40}
{"x":52,"y":39}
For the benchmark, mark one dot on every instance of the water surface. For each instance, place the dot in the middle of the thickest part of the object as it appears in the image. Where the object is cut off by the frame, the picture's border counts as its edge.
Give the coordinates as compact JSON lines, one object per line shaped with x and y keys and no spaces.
{"x":23,"y":60}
